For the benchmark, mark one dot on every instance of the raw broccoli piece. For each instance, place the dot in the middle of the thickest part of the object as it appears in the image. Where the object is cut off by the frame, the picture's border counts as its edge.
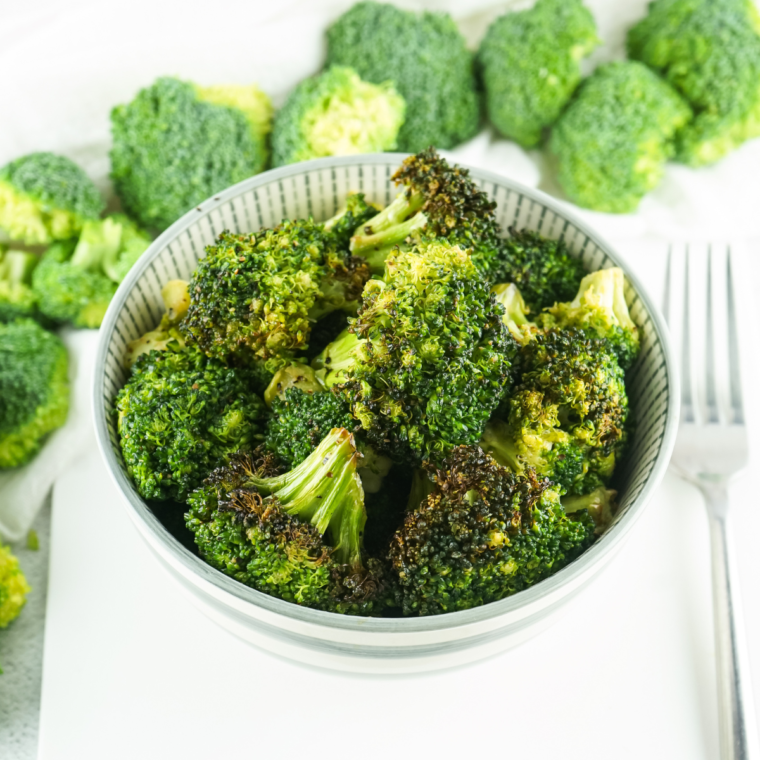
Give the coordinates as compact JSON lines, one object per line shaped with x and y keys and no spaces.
{"x":180,"y":415}
{"x":613,"y":140}
{"x":709,"y":50}
{"x":296,"y":536}
{"x":45,"y":197}
{"x":543,"y":269}
{"x":34,"y":389}
{"x":13,"y":587}
{"x":353,"y":215}
{"x":484,"y":534}
{"x":530,"y":65}
{"x":425,"y":56}
{"x":437,"y":202}
{"x":176,"y":144}
{"x":76,"y":279}
{"x":599,"y":307}
{"x":429,"y":355}
{"x":255,"y":296}
{"x":16,"y":296}
{"x":336,"y":113}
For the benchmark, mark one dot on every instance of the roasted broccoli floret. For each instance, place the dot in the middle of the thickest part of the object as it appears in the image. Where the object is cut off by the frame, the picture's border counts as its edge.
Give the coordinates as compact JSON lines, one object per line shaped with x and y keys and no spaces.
{"x":16,"y":296}
{"x":296,"y":536}
{"x":429,"y":355}
{"x":483,"y":534}
{"x":612,"y":141}
{"x":599,"y":307}
{"x":34,"y":389}
{"x":13,"y":587}
{"x":336,"y":113}
{"x":530,"y":65}
{"x":255,"y":296}
{"x":600,"y":504}
{"x":177,"y":144}
{"x":543,"y":269}
{"x":709,"y":50}
{"x":437,"y":202}
{"x":76,"y":279}
{"x":180,"y":415}
{"x":426,"y":58}
{"x":45,"y":197}
{"x":353,"y":215}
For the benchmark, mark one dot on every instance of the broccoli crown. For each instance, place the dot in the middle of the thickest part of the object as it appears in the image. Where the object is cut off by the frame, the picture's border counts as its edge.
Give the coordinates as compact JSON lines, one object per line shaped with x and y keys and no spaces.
{"x":296,"y":536}
{"x":432,"y":355}
{"x":177,"y":144}
{"x":425,"y":57}
{"x":45,"y":197}
{"x":612,"y":141}
{"x":13,"y":587}
{"x":483,"y":534}
{"x":180,"y":415}
{"x":709,"y":50}
{"x":34,"y":389}
{"x":599,"y":307}
{"x":16,"y":296}
{"x":438,"y":202}
{"x":543,"y":269}
{"x":530,"y":64}
{"x":255,"y":296}
{"x":336,"y":114}
{"x":355,"y":214}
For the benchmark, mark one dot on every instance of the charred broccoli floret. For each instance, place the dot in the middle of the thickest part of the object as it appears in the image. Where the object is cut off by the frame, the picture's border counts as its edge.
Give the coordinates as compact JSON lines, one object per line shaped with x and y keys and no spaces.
{"x":336,"y":113}
{"x":353,"y":215}
{"x":176,"y":144}
{"x":34,"y":389}
{"x":180,"y":415}
{"x":612,"y":141}
{"x":45,"y":197}
{"x":16,"y":296}
{"x":426,"y":58}
{"x":438,"y":202}
{"x":254,"y":297}
{"x":530,"y":65}
{"x":295,"y":536}
{"x":709,"y":50}
{"x":483,"y":534}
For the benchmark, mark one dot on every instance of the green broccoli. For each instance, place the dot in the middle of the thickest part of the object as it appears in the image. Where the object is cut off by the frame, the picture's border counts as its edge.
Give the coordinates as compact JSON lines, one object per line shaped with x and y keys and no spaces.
{"x":336,"y":114}
{"x":34,"y":389}
{"x":482,"y":535}
{"x":530,"y":65}
{"x":353,"y":215}
{"x":13,"y":587}
{"x":176,"y":144}
{"x":76,"y":279}
{"x":600,"y":504}
{"x":437,"y":202}
{"x":16,"y":296}
{"x":255,"y":296}
{"x":613,"y":140}
{"x":45,"y":197}
{"x":180,"y":415}
{"x":295,"y":536}
{"x":426,"y":58}
{"x":709,"y":50}
{"x":508,"y":296}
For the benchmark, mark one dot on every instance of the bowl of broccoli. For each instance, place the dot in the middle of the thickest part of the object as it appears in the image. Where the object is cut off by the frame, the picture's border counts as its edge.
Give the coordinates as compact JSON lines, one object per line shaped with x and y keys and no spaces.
{"x":381,"y":413}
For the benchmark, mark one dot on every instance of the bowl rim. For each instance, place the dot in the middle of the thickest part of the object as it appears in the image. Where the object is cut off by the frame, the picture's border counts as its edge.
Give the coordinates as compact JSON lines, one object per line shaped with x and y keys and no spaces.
{"x":191,"y":565}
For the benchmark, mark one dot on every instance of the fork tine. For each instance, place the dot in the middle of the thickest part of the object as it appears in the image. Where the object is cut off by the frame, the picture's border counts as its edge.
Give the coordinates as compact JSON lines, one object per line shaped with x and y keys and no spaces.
{"x":674,"y":309}
{"x":696,"y":331}
{"x":737,"y":404}
{"x":719,"y":371}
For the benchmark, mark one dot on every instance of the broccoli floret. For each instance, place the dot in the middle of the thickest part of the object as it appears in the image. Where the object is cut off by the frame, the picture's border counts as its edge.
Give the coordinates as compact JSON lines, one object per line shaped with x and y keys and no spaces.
{"x":426,"y":58}
{"x":255,"y":296}
{"x":508,"y":296}
{"x":176,"y":144}
{"x":600,"y":505}
{"x":613,"y":140}
{"x":709,"y":50}
{"x":76,"y":279}
{"x":543,"y":269}
{"x":34,"y":389}
{"x":296,"y":536}
{"x":353,"y":215}
{"x":45,"y":197}
{"x":530,"y":65}
{"x":437,"y":202}
{"x":180,"y":415}
{"x":13,"y":587}
{"x":336,"y":114}
{"x":16,"y":296}
{"x":483,"y":534}
{"x":599,"y":307}
{"x":429,"y":355}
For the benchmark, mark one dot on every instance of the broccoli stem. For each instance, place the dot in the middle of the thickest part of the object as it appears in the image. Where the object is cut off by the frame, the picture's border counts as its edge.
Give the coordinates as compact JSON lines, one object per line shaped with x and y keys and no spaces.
{"x":16,"y":267}
{"x":377,"y":245}
{"x":334,"y":363}
{"x":497,"y":442}
{"x":98,"y":246}
{"x":510,"y":298}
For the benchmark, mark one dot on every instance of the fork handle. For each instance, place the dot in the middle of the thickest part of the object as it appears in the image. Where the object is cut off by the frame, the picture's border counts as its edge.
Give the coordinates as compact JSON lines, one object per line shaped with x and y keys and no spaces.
{"x":736,"y":708}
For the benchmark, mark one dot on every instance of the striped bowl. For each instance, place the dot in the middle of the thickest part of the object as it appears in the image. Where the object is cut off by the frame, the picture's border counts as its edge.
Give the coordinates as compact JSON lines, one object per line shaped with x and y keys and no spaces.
{"x":370,"y":645}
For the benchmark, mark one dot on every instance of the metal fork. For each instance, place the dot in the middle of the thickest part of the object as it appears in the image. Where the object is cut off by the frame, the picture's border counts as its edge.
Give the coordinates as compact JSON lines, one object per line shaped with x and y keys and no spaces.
{"x":711,"y":449}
